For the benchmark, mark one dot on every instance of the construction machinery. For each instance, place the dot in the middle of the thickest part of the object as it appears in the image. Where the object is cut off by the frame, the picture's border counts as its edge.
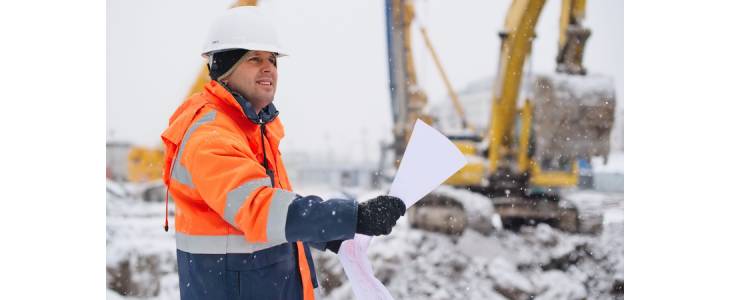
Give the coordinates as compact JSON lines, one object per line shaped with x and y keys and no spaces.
{"x":534,"y":139}
{"x":408,"y":101}
{"x":144,"y":164}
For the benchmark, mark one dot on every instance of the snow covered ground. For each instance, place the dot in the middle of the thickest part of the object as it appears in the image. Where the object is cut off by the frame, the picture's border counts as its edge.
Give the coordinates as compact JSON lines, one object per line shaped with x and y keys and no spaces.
{"x":140,"y":255}
{"x":536,"y":263}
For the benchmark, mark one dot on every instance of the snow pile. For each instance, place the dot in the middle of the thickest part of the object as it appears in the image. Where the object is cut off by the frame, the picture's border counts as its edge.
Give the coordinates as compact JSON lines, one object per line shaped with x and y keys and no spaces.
{"x":614,"y":163}
{"x":608,"y":176}
{"x":557,"y":285}
{"x":536,"y":263}
{"x":479,"y":209}
{"x":116,"y":190}
{"x":140,"y":255}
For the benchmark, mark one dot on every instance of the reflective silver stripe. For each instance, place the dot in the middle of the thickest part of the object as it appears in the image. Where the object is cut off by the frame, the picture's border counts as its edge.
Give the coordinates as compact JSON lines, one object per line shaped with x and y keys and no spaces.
{"x":237,"y":196}
{"x":179,"y":172}
{"x":218,"y":244}
{"x":276,"y":222}
{"x":317,"y":293}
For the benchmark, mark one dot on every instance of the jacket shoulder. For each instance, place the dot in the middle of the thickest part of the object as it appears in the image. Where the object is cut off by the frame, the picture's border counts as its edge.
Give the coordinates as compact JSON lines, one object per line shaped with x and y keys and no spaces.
{"x":212,"y":128}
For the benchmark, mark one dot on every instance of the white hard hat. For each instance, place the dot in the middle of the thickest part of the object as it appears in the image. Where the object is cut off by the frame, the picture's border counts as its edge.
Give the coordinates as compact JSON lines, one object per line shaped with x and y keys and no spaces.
{"x":243,"y":27}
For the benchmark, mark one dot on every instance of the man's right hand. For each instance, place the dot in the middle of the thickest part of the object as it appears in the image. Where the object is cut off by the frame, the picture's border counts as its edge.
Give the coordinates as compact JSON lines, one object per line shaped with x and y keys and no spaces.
{"x":377,"y":216}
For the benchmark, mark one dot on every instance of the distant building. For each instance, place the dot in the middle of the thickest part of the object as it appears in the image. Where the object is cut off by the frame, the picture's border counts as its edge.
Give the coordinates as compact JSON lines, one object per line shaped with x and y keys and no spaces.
{"x":117,"y":154}
{"x":308,"y":169}
{"x":476,"y":100}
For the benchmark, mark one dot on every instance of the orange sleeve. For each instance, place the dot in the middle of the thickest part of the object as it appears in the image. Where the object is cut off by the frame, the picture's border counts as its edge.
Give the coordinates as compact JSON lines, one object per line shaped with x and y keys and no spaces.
{"x":220,"y":165}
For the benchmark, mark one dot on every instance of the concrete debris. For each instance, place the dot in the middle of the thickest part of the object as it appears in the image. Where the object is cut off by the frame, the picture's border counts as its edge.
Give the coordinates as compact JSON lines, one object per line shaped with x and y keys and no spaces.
{"x":509,"y":281}
{"x":535,"y":263}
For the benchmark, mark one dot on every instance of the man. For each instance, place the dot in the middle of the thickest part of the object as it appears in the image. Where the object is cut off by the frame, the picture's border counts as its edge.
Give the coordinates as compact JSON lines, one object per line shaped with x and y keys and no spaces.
{"x":241,"y":232}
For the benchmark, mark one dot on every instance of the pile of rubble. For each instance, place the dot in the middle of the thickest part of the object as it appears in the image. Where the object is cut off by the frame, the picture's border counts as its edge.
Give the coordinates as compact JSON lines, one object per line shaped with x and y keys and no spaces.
{"x":140,"y":255}
{"x":535,"y":263}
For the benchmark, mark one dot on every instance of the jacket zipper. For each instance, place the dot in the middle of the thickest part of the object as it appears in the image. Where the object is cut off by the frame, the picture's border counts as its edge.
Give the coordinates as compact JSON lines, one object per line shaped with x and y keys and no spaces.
{"x":269,"y":172}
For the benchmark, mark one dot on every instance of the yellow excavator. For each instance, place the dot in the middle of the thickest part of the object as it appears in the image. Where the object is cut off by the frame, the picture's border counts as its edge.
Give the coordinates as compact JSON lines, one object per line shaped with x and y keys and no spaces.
{"x":533,"y":142}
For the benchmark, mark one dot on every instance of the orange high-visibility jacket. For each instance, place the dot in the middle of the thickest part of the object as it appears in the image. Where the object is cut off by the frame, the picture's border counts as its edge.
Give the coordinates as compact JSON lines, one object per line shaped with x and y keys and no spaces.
{"x":232,"y":195}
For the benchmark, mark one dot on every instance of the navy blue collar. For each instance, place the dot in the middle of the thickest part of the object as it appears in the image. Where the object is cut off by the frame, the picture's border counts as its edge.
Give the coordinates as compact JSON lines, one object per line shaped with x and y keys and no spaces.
{"x":266,"y":115}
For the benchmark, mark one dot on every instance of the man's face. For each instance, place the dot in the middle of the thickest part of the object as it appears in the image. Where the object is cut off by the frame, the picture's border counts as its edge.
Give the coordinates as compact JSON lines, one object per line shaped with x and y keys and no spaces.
{"x":255,"y":78}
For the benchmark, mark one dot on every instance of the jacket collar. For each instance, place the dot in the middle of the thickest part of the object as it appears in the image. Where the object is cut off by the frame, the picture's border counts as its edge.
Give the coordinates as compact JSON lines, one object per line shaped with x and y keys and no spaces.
{"x":266,"y":115}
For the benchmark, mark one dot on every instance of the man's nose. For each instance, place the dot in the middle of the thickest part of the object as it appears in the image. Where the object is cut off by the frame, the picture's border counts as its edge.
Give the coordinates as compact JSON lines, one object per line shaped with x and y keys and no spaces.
{"x":268,"y":67}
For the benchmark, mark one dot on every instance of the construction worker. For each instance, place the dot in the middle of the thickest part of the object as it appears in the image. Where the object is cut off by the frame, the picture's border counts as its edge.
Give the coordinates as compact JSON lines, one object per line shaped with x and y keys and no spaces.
{"x":240,"y":230}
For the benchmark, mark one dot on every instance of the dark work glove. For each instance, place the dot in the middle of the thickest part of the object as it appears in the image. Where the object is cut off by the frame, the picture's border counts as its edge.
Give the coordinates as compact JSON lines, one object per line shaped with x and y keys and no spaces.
{"x":378,"y":216}
{"x":334,"y":246}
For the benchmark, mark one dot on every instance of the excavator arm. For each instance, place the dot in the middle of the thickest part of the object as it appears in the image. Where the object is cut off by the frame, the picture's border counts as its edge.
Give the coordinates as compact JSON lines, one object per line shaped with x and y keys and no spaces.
{"x":516,"y":38}
{"x":573,"y":37}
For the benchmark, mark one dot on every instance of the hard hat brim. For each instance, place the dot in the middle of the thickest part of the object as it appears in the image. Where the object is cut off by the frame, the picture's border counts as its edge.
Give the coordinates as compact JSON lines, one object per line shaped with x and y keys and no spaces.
{"x":280,"y":52}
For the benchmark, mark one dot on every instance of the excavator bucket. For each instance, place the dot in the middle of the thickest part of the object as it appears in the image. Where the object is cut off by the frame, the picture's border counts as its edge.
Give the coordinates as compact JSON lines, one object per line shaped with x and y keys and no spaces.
{"x":573,"y":117}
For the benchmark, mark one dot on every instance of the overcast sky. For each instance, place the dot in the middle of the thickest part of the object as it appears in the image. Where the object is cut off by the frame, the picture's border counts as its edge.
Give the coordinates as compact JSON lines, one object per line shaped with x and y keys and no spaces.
{"x":333,"y":89}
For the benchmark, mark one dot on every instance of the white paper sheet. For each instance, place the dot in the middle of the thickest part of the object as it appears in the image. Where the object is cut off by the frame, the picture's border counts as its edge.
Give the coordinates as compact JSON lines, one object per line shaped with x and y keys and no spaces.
{"x":430,"y":158}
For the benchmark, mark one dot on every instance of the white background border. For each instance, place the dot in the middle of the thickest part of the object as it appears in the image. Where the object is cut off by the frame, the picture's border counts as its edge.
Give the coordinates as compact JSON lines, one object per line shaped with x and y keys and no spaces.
{"x":53,"y":135}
